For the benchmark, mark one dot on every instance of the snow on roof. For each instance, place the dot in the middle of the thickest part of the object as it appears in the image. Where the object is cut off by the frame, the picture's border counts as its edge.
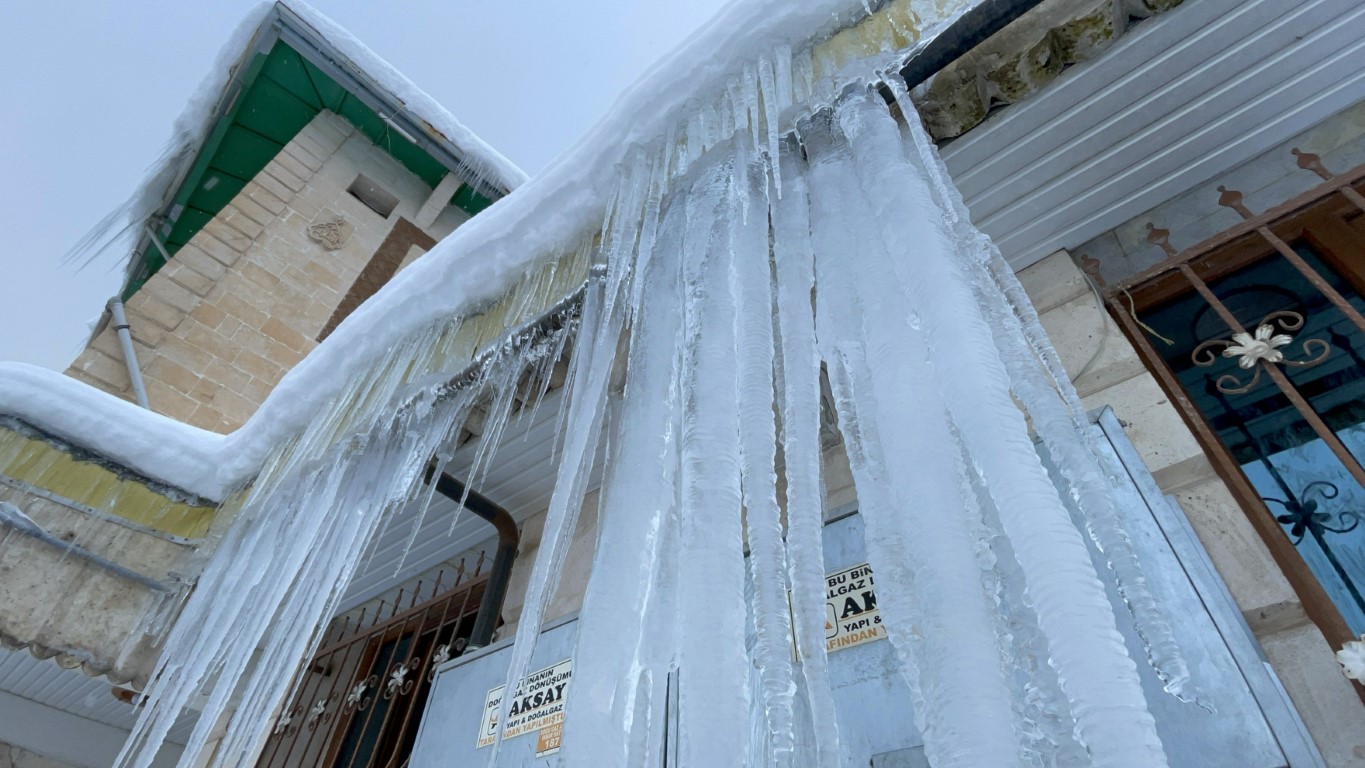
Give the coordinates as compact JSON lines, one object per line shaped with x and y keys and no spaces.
{"x":213,"y":96}
{"x":486,"y":161}
{"x":474,"y":265}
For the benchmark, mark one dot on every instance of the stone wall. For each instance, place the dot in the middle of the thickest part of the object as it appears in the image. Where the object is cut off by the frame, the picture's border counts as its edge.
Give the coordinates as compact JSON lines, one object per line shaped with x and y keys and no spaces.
{"x":135,"y":540}
{"x":1087,"y":338}
{"x":248,"y":297}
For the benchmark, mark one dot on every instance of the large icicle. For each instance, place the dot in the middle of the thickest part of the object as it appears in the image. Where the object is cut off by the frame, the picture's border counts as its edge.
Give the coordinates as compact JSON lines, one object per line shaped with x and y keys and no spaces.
{"x":800,"y":407}
{"x":1095,"y":670}
{"x":754,"y":343}
{"x":593,"y":360}
{"x":713,"y":692}
{"x":606,"y":309}
{"x":967,"y":718}
{"x":609,"y":694}
{"x":1049,"y":396}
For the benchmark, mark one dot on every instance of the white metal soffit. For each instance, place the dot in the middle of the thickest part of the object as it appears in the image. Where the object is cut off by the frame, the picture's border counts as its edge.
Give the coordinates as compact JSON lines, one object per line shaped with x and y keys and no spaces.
{"x":1183,"y":98}
{"x":72,"y":691}
{"x":520,"y":477}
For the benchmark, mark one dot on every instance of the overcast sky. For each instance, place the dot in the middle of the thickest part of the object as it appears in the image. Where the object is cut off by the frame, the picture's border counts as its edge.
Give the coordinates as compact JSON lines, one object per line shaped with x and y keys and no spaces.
{"x":88,"y":92}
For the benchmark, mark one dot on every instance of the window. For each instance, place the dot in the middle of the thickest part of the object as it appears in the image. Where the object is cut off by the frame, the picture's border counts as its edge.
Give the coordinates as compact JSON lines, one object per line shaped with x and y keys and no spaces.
{"x":1281,"y":410}
{"x":359,"y":701}
{"x":375,"y":197}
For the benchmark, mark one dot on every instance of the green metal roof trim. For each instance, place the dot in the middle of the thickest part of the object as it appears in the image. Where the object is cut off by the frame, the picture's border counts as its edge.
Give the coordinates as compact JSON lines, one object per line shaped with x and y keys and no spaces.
{"x":282,"y":92}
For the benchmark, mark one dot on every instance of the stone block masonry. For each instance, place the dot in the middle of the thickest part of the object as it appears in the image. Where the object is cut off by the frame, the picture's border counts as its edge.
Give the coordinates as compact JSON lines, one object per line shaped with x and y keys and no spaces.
{"x":251,"y":294}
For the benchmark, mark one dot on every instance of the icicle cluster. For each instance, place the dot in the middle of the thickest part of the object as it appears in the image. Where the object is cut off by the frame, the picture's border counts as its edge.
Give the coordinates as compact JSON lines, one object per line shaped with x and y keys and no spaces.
{"x":304,"y":525}
{"x":739,"y":264}
{"x":767,"y":260}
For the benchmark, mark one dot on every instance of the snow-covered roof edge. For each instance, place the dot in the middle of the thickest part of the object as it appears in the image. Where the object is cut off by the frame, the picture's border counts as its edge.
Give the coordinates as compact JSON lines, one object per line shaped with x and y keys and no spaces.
{"x":191,"y":129}
{"x":475,"y":264}
{"x":147,"y":443}
{"x":490,"y":164}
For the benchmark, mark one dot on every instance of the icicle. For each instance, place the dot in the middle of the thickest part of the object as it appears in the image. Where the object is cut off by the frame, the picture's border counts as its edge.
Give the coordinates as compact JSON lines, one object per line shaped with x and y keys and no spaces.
{"x":754,"y":343}
{"x":772,"y":98}
{"x":800,"y":408}
{"x":713,"y":697}
{"x":1048,"y":726}
{"x":593,"y":360}
{"x":944,"y":625}
{"x":605,"y":701}
{"x":653,"y":203}
{"x":1099,"y":677}
{"x":1067,"y":433}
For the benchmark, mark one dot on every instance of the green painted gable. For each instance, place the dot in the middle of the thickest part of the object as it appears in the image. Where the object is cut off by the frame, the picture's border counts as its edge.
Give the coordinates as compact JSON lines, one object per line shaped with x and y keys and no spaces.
{"x":281,"y":93}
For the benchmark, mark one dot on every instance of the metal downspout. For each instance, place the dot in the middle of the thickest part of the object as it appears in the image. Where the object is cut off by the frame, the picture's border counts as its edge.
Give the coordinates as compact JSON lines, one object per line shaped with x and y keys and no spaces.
{"x":125,"y":342}
{"x":495,"y":591}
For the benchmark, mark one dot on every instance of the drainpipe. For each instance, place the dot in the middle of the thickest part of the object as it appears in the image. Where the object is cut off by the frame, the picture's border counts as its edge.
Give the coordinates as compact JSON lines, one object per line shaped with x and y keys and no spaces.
{"x":125,"y":342}
{"x":495,"y":590}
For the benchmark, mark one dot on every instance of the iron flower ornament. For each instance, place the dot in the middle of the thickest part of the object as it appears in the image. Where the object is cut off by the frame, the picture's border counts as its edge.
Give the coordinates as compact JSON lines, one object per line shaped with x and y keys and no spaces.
{"x":1261,"y":346}
{"x":398,"y":682}
{"x":1351,"y":657}
{"x":1303,"y":514}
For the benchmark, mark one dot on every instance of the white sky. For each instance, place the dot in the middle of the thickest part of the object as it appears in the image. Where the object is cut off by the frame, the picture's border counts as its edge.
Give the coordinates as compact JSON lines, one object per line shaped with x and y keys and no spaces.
{"x":89,"y":89}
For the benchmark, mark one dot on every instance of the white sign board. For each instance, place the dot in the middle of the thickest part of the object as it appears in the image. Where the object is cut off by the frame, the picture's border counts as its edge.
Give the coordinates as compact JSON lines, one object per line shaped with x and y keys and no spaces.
{"x":851,"y":613}
{"x":537,"y":707}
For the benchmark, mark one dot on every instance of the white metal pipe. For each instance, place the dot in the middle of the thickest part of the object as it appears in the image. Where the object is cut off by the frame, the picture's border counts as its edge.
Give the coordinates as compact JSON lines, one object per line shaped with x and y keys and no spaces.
{"x":125,"y":342}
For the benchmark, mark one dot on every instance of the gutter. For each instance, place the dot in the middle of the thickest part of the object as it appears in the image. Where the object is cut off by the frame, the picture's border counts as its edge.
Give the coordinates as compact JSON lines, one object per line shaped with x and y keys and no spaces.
{"x":495,"y":591}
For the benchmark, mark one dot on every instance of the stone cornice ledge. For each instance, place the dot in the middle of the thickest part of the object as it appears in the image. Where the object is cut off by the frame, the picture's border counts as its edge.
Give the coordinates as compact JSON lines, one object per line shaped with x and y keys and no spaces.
{"x":1025,"y":57}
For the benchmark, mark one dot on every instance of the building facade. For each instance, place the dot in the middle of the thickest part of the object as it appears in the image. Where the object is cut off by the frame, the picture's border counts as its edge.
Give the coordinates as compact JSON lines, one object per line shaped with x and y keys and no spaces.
{"x":1144,"y":166}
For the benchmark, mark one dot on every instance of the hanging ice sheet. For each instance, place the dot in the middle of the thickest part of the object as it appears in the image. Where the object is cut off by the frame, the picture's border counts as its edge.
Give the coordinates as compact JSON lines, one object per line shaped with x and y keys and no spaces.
{"x":866,"y":253}
{"x":732,"y":293}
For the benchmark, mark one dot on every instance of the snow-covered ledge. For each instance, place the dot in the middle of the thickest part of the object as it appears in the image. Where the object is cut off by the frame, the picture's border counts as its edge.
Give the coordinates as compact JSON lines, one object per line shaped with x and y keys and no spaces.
{"x":147,"y":443}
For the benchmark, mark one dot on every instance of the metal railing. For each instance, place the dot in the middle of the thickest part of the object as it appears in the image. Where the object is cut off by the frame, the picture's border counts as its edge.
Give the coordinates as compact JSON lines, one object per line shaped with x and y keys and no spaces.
{"x":1254,"y":334}
{"x":359,"y":701}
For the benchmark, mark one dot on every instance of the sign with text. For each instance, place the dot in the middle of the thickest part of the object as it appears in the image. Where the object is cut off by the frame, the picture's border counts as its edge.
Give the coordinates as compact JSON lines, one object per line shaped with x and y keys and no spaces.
{"x":537,"y":705}
{"x":851,"y":614}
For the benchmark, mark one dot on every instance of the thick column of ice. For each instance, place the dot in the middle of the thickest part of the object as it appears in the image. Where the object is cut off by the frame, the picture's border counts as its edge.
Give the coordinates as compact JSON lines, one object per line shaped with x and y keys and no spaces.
{"x":754,"y":343}
{"x":1089,"y":485}
{"x":1020,"y":337}
{"x":1093,"y":665}
{"x":714,"y":705}
{"x":968,"y":719}
{"x":800,"y":408}
{"x":639,"y":490}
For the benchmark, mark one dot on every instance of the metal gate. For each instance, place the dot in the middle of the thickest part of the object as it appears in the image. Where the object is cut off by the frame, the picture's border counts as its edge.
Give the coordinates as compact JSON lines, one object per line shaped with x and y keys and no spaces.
{"x":1258,"y":336}
{"x":359,"y":701}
